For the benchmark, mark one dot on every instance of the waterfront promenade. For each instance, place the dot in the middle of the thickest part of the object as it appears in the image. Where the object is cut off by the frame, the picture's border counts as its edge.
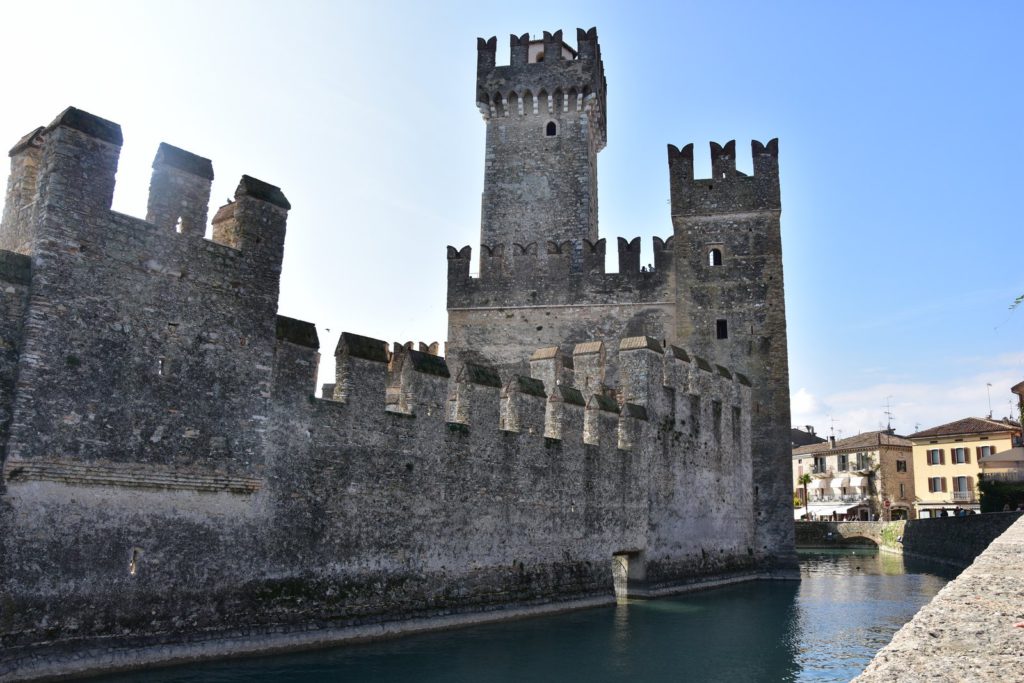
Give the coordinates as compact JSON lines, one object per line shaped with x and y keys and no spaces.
{"x":973,"y":630}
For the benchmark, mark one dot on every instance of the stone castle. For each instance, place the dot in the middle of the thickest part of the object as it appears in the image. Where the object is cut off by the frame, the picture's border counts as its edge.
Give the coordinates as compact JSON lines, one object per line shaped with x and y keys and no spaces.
{"x":171,"y":487}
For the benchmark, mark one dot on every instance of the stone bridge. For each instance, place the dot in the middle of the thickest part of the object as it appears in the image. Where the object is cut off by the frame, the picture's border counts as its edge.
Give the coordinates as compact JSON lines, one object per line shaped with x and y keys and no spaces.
{"x":951,"y":540}
{"x":845,"y":534}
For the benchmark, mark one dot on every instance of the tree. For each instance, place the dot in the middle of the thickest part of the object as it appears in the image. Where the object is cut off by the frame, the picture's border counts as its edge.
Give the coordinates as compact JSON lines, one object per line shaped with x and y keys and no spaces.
{"x":805,"y":479}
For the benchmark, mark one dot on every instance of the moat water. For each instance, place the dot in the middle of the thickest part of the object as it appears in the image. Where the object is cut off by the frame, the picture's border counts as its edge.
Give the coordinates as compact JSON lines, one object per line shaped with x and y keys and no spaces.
{"x":824,"y":628}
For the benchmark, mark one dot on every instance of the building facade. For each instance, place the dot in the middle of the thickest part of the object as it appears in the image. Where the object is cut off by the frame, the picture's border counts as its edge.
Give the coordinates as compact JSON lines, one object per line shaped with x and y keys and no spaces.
{"x":948,"y":459}
{"x":868,"y":476}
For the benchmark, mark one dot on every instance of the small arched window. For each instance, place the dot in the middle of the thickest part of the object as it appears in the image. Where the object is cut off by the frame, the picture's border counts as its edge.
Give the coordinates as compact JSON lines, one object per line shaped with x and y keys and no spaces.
{"x":715,"y":257}
{"x":552,"y":129}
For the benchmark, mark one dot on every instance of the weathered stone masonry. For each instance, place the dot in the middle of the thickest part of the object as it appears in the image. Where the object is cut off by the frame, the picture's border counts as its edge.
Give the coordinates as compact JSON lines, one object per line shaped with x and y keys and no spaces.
{"x":716,"y":286}
{"x":169,"y":481}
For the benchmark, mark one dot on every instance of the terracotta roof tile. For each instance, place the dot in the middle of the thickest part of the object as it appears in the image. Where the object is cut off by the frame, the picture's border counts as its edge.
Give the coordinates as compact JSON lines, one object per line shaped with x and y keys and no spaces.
{"x":865,"y":441}
{"x":968,"y":425}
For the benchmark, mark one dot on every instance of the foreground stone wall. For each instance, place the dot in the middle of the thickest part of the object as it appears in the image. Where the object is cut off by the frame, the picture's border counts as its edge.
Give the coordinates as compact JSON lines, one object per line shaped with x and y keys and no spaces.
{"x":956,"y":540}
{"x":973,"y":630}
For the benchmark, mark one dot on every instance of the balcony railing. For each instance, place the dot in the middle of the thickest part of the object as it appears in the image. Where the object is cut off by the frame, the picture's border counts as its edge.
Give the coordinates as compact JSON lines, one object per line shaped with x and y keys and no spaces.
{"x":963,"y":496}
{"x":838,"y":499}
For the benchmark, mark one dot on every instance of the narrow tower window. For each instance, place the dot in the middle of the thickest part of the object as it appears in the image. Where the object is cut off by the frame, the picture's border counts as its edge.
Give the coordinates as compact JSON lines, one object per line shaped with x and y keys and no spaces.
{"x":552,"y":129}
{"x":721,"y":329}
{"x":715,"y":257}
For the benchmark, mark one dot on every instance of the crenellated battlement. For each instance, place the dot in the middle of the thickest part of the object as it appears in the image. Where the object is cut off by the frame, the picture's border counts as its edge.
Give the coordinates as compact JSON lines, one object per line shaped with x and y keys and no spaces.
{"x":254,"y":222}
{"x":562,"y":398}
{"x":727,"y":190}
{"x":545,"y":273}
{"x":544,"y":78}
{"x":168,"y":310}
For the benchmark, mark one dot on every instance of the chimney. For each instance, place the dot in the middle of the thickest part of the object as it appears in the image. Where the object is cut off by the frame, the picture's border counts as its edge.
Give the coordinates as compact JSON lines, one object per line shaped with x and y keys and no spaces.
{"x":810,"y":429}
{"x":831,"y":442}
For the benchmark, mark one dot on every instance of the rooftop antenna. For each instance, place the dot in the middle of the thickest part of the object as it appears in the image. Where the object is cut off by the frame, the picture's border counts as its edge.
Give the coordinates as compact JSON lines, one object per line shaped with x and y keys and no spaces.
{"x":888,"y":412}
{"x":832,"y":427}
{"x":988,"y":389}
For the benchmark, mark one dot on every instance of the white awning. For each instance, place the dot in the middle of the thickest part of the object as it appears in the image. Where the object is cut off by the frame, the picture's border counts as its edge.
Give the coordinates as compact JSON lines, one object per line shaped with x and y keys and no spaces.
{"x":858,"y":481}
{"x":824,"y":510}
{"x":840,"y":482}
{"x":818,"y":484}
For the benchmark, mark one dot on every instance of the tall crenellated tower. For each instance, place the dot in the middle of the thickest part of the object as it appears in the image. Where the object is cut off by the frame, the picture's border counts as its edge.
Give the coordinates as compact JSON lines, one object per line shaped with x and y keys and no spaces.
{"x":731,"y":308}
{"x":545,"y":115}
{"x":542,"y":279}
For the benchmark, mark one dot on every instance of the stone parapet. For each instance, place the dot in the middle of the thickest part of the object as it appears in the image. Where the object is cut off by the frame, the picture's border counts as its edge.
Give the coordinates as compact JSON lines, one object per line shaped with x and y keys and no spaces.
{"x":973,"y":630}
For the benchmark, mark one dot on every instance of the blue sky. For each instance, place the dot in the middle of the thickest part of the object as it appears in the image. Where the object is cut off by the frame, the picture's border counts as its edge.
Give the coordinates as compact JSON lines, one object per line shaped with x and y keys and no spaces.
{"x":899,"y":152}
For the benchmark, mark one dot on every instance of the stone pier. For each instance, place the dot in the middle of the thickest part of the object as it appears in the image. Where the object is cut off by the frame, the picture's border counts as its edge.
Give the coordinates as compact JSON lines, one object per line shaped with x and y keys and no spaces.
{"x":973,"y":630}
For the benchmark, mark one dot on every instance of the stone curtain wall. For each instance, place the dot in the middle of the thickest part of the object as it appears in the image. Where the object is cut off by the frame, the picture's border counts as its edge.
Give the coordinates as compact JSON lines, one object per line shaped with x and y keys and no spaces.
{"x":972,"y":630}
{"x":169,"y":477}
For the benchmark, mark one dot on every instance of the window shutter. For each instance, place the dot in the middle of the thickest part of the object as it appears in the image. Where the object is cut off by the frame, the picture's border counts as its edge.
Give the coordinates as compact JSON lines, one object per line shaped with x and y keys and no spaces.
{"x":942,"y":458}
{"x":967,"y":455}
{"x":943,"y":480}
{"x":991,"y":450}
{"x":978,"y":453}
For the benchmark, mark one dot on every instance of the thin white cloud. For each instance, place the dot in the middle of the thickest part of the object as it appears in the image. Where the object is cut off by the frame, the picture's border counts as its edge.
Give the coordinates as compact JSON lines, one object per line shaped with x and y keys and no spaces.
{"x":915,"y":405}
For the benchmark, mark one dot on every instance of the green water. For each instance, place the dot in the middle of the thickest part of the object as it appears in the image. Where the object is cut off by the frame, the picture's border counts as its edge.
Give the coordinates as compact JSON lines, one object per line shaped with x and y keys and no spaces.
{"x":824,"y":628}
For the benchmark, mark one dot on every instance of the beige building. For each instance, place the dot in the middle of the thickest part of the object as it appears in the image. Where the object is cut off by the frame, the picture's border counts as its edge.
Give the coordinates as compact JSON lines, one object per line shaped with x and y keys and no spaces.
{"x":948,"y":459}
{"x":1007,"y":465}
{"x":868,"y":476}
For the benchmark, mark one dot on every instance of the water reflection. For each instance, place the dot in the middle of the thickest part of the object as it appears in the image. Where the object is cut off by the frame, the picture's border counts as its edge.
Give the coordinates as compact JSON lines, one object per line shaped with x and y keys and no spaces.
{"x":824,"y":628}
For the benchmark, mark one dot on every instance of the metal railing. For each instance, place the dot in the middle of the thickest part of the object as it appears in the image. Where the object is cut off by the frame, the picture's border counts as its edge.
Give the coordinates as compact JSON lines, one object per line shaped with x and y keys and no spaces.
{"x":838,"y":499}
{"x":963,"y":496}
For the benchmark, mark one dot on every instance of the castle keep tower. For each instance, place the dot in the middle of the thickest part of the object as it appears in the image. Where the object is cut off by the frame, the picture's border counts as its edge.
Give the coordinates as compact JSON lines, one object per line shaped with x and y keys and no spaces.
{"x":545,"y":116}
{"x":731,"y":308}
{"x":542,"y":280}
